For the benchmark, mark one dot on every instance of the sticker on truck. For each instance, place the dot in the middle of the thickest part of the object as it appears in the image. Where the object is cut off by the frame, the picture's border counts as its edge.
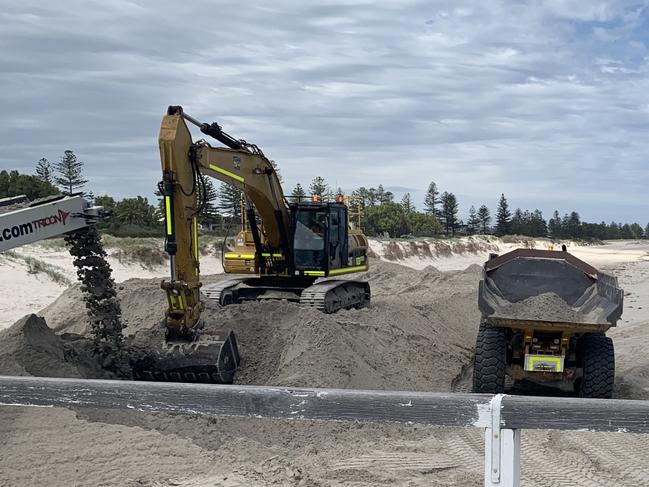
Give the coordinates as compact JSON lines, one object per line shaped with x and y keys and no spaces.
{"x":26,"y":228}
{"x":543,"y":363}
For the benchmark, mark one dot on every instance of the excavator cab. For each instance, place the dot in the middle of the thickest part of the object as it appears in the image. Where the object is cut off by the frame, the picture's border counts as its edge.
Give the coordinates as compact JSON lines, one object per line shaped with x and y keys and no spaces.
{"x":321,"y":241}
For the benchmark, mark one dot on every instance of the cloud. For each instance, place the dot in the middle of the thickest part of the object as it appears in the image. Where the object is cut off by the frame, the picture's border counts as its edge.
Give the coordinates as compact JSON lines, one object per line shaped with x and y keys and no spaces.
{"x":544,"y":101}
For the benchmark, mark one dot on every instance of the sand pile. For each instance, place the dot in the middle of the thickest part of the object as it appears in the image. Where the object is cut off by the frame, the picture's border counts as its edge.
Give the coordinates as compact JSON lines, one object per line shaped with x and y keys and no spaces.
{"x":417,"y":335}
{"x":142,"y":301}
{"x":544,"y":307}
{"x":30,"y":347}
{"x":284,"y":344}
{"x":143,"y":306}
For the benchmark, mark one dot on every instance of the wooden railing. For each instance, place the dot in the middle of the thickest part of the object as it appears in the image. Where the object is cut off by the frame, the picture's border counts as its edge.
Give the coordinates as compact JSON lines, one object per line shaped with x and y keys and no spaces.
{"x":501,"y":416}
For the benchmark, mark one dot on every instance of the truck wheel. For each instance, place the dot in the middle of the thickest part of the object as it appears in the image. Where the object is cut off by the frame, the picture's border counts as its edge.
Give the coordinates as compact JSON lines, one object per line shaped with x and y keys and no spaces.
{"x":490,"y":360}
{"x":598,"y":361}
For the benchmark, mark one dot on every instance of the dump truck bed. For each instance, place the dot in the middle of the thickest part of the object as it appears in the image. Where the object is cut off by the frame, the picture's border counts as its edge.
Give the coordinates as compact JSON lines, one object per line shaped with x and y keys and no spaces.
{"x":548,"y":289}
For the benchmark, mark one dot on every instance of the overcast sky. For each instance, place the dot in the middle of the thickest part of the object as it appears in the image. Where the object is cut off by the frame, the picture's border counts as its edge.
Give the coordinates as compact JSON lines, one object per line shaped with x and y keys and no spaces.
{"x":547,"y":102}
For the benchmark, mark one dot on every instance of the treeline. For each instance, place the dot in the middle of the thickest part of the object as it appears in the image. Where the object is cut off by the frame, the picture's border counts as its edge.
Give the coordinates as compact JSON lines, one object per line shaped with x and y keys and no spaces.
{"x":382,"y":216}
{"x":376,"y":208}
{"x":568,"y":226}
{"x":64,"y":177}
{"x":14,"y":184}
{"x":379,"y":214}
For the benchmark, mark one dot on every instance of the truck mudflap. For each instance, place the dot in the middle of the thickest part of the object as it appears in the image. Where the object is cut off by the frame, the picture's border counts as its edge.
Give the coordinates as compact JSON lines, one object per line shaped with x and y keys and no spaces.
{"x":212,"y":357}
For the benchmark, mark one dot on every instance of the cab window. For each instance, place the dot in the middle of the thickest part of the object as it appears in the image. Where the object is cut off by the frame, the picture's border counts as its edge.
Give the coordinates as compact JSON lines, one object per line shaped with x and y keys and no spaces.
{"x":310,"y":227}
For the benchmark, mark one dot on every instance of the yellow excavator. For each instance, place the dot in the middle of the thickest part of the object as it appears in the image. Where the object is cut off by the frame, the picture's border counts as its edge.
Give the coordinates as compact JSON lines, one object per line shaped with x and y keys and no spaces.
{"x":286,"y":247}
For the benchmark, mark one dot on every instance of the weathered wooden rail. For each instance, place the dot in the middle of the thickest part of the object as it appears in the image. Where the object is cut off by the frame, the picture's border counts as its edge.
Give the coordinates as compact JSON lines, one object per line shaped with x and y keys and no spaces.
{"x":501,"y":416}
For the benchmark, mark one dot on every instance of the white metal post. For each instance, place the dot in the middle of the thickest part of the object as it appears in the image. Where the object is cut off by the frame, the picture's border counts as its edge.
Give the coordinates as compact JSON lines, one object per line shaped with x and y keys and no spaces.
{"x":502,"y":451}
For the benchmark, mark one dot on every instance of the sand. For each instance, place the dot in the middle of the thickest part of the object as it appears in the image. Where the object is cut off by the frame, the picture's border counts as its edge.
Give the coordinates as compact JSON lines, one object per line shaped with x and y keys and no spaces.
{"x":29,"y":347}
{"x":544,"y":307}
{"x":22,"y":293}
{"x":391,"y":345}
{"x":418,"y":334}
{"x":34,"y":291}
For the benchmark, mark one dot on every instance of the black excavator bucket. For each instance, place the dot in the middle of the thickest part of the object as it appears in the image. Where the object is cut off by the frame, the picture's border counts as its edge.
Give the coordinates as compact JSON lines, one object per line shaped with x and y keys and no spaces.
{"x":212,"y":357}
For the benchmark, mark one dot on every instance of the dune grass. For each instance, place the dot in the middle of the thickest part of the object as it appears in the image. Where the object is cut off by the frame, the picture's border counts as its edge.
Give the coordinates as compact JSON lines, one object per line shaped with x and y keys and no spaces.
{"x":37,"y":266}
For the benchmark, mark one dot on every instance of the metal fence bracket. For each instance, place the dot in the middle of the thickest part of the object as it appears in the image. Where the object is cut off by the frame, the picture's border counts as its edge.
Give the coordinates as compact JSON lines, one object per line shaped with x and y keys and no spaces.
{"x":502,"y":450}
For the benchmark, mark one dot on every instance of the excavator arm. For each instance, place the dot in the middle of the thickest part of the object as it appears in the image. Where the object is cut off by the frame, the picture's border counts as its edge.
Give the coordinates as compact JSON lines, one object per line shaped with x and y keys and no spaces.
{"x":255,"y":176}
{"x":184,"y":164}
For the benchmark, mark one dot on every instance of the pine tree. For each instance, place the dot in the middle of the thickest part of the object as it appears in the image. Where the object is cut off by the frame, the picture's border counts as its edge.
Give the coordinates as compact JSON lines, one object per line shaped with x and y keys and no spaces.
{"x":473,"y":224}
{"x":229,"y":200}
{"x":211,"y":195}
{"x":360,"y":198}
{"x":538,"y":226}
{"x":503,"y":217}
{"x":380,"y":194}
{"x":432,"y":199}
{"x":320,"y":188}
{"x":485,"y":219}
{"x":406,"y":202}
{"x":44,"y":171}
{"x":298,"y":193}
{"x":70,"y":173}
{"x":449,"y":212}
{"x":371,"y":197}
{"x":555,"y":226}
{"x":518,"y":223}
{"x":636,"y":230}
{"x":573,"y":225}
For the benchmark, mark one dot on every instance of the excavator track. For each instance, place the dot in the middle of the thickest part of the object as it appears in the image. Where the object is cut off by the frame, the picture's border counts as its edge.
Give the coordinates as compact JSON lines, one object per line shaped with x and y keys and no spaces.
{"x":333,"y":295}
{"x":238,"y":290}
{"x":327,"y":296}
{"x":221,"y":292}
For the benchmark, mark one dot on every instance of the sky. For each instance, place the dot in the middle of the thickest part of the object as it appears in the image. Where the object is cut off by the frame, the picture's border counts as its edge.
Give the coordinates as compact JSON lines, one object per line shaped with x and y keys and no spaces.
{"x":544,"y":101}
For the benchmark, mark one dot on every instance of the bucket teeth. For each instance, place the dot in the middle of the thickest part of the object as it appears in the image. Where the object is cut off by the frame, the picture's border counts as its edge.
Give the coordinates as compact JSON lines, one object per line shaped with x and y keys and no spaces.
{"x":212,"y":357}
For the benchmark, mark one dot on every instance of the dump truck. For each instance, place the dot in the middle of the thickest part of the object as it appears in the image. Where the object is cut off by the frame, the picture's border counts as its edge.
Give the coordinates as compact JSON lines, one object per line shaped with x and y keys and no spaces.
{"x":544,"y":317}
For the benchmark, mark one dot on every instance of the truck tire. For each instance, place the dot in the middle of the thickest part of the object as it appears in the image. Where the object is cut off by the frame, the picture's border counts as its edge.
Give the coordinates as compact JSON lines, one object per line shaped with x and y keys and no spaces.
{"x":598,"y":362}
{"x":490,"y":360}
